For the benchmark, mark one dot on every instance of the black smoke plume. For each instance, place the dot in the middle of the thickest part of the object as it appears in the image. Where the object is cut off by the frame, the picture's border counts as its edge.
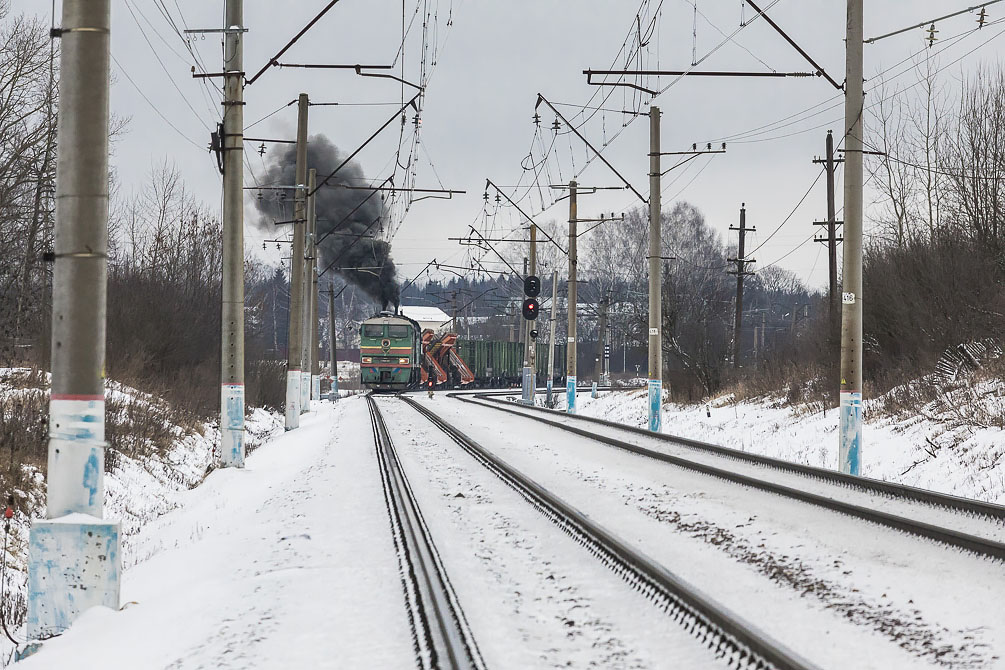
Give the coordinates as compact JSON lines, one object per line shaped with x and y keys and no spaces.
{"x":347,"y":235}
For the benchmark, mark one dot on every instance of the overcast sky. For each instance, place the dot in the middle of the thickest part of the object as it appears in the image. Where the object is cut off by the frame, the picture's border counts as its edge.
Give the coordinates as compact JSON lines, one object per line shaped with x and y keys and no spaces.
{"x":491,"y":63}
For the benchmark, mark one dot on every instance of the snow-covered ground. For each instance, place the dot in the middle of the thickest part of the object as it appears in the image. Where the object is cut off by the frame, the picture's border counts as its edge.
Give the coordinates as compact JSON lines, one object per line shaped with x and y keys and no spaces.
{"x":138,"y":489}
{"x":287,"y":563}
{"x":534,"y":597}
{"x":932,"y":450}
{"x":840,"y":591}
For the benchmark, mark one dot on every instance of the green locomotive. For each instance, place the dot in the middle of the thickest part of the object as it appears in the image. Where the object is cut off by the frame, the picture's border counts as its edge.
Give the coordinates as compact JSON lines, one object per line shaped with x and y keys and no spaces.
{"x":390,"y":348}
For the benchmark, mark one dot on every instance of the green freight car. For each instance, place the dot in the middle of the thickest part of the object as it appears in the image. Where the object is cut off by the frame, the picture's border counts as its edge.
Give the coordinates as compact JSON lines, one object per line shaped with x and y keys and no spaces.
{"x":500,"y":364}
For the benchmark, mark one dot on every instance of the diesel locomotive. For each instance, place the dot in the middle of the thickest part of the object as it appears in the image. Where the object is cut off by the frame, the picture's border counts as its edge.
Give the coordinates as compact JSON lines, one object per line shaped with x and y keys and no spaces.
{"x":390,"y":350}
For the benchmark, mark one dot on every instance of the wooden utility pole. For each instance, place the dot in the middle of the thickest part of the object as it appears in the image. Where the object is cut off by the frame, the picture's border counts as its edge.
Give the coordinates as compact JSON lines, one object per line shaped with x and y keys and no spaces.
{"x":830,"y":165}
{"x":655,"y":276}
{"x":73,"y":554}
{"x":850,"y":422}
{"x":295,"y":340}
{"x":740,"y":273}
{"x":232,"y":346}
{"x":570,"y":350}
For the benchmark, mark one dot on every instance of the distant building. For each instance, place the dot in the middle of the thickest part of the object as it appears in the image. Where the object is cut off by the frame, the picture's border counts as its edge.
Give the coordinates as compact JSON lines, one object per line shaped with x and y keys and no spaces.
{"x":429,"y":317}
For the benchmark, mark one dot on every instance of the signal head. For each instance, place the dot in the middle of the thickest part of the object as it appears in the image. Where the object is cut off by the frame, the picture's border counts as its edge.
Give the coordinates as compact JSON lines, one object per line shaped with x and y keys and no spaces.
{"x":532,"y":286}
{"x":530,"y":309}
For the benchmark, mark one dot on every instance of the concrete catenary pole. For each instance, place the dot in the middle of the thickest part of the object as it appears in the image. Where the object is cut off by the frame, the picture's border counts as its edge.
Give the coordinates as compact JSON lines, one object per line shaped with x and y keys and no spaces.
{"x":655,"y":277}
{"x":332,"y":344}
{"x":312,"y":273}
{"x":530,"y":349}
{"x":850,"y":427}
{"x":598,"y":371}
{"x":295,"y":340}
{"x":551,"y":334}
{"x":570,"y":350}
{"x":74,"y":563}
{"x":232,"y":345}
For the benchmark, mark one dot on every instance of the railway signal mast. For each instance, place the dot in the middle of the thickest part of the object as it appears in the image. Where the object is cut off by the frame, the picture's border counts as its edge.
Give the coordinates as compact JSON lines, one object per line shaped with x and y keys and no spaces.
{"x":531,"y":289}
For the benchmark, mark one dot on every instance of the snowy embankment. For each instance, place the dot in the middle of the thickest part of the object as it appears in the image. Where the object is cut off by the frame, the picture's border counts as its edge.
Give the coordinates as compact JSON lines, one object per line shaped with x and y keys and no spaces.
{"x":286,"y":563}
{"x":947,"y":447}
{"x":157,"y":461}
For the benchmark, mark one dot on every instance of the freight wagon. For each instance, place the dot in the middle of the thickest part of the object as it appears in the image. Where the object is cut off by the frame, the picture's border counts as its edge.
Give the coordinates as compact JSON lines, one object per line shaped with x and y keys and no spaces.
{"x":500,"y":364}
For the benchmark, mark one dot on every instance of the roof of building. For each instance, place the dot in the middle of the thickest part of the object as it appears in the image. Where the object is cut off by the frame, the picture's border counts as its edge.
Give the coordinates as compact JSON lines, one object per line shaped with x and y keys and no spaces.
{"x":425,"y":313}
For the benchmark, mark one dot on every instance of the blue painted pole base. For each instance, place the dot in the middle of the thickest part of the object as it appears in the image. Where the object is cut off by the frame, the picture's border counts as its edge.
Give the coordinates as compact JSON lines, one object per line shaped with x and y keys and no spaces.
{"x":550,"y":401}
{"x":232,"y":426}
{"x":527,"y":397}
{"x":570,"y":395}
{"x":656,"y":405}
{"x":593,"y":391}
{"x":850,"y":433}
{"x":74,"y":563}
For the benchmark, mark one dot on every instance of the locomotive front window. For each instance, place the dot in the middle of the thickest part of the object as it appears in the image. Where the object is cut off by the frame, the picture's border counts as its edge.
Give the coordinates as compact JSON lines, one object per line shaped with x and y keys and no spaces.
{"x":398,"y":331}
{"x":373,"y":330}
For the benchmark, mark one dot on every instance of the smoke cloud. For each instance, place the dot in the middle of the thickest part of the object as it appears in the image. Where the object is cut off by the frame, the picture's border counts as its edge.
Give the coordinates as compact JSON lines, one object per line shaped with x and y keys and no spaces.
{"x":364,"y":262}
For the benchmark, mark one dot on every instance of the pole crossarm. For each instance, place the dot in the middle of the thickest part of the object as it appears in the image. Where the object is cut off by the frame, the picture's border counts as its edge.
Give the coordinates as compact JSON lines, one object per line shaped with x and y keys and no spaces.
{"x":395,"y":189}
{"x":488,"y":182}
{"x":541,"y":98}
{"x":357,"y":68}
{"x":265,"y":139}
{"x":682,"y":73}
{"x":410,"y":103}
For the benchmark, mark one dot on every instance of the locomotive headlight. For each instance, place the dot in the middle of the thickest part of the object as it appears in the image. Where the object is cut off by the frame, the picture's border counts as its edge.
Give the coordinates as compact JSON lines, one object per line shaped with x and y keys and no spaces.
{"x":403,"y":361}
{"x":367,"y":359}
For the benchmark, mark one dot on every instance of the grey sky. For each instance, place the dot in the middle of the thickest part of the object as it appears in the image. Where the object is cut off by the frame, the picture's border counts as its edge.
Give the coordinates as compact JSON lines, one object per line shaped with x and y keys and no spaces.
{"x":497,"y":56}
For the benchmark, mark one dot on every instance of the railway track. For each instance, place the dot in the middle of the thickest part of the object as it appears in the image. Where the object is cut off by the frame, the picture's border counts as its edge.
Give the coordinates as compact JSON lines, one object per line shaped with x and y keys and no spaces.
{"x":736,"y":642}
{"x":442,"y":639}
{"x":966,"y":524}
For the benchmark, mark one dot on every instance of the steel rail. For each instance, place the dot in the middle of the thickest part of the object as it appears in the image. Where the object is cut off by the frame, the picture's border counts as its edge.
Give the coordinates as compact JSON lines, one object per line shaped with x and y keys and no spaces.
{"x":736,"y":642}
{"x":976,"y":544}
{"x":965,"y":505}
{"x":442,"y":638}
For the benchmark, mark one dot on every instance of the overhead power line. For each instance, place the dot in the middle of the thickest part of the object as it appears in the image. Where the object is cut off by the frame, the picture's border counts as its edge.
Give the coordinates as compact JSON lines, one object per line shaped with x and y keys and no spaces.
{"x":871,"y":40}
{"x":274,"y":60}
